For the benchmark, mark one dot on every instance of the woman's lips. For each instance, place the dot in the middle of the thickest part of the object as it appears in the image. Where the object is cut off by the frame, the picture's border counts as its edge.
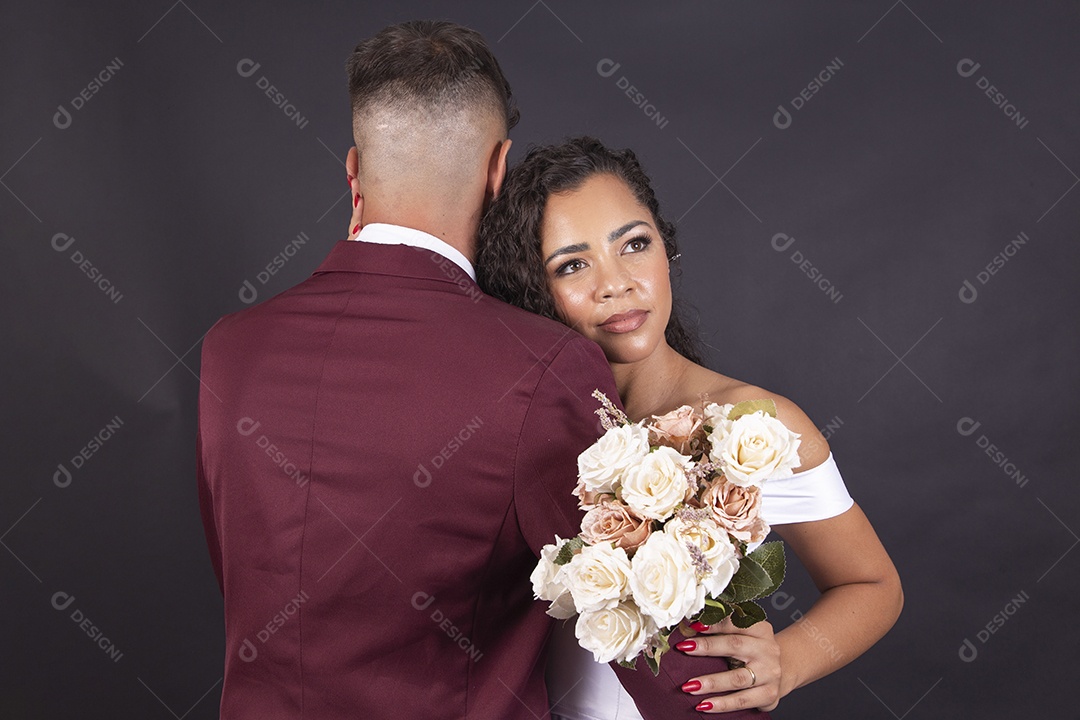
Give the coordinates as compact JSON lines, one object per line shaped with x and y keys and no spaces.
{"x":625,"y":322}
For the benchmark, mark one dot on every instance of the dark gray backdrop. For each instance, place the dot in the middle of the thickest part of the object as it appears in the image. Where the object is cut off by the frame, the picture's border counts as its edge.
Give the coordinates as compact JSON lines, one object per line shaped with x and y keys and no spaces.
{"x":148,"y":182}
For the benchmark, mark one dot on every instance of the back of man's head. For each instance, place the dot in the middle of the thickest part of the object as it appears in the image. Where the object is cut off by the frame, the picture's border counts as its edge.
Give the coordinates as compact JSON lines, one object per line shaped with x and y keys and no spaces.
{"x":430,"y":107}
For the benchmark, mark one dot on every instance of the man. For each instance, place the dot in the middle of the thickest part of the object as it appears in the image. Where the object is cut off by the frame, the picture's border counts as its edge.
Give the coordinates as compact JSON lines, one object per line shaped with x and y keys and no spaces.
{"x":383,"y":449}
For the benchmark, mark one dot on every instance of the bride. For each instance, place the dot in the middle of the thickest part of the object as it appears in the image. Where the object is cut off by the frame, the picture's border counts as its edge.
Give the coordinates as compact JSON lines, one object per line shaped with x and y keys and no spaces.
{"x":576,"y":235}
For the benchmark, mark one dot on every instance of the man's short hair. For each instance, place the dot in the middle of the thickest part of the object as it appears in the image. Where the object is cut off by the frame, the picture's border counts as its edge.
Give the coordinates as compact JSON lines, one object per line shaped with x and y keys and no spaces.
{"x":428,"y":64}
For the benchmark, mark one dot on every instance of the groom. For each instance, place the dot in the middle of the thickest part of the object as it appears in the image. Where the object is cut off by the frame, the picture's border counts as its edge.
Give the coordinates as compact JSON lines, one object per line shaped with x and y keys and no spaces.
{"x":383,"y":449}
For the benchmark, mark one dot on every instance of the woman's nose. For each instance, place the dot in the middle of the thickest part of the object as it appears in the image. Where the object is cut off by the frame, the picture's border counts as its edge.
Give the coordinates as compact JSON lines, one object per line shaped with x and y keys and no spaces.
{"x":614,"y":281}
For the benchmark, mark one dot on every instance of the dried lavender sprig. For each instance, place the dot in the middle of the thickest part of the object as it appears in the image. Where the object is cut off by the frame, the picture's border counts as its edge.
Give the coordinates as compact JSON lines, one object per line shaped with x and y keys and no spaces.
{"x":610,"y":416}
{"x":700,"y":474}
{"x":694,"y":483}
{"x":703,"y":469}
{"x":693,"y":515}
{"x":701,"y":564}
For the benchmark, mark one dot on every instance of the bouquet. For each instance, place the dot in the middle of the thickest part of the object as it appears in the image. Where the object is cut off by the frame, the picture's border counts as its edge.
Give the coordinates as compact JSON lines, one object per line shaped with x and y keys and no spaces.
{"x":672,"y":504}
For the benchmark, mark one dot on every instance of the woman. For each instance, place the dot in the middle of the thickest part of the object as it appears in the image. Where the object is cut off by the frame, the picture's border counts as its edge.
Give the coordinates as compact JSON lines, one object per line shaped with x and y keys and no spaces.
{"x":576,"y":234}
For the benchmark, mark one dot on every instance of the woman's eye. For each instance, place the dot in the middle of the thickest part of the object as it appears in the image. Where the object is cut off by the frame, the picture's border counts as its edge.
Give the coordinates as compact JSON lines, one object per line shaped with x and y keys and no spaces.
{"x":570,"y":266}
{"x":638,"y":244}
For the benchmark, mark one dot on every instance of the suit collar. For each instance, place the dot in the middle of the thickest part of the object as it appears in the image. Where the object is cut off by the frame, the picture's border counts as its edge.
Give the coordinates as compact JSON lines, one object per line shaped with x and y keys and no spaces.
{"x":395,"y":260}
{"x":387,"y":234}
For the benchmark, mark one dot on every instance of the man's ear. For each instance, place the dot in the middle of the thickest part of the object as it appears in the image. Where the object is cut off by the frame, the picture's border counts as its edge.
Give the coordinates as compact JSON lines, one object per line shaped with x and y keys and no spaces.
{"x":352,"y":167}
{"x":352,"y":162}
{"x":496,"y":170}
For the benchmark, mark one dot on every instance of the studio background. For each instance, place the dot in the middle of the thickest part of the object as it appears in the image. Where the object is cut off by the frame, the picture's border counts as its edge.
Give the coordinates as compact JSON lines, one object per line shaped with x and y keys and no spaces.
{"x":894,"y":249}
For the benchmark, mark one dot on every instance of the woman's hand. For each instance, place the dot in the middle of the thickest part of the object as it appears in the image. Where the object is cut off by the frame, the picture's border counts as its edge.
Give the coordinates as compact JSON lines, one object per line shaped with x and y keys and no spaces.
{"x":357,"y":219}
{"x":356,"y":197}
{"x":756,"y":685}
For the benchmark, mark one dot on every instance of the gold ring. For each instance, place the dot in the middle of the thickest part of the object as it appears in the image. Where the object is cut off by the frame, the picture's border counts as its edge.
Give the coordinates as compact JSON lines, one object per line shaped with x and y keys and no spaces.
{"x":753,"y":677}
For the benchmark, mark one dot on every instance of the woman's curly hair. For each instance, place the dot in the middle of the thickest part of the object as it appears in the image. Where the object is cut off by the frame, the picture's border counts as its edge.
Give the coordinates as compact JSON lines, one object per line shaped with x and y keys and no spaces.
{"x":509,"y":263}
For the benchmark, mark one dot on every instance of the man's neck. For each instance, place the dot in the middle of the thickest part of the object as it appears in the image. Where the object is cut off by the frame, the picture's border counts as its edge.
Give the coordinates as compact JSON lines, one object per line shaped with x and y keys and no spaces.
{"x":458,"y":233}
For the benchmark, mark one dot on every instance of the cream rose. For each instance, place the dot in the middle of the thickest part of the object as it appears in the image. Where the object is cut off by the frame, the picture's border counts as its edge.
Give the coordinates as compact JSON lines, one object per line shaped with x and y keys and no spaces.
{"x":613,"y":522}
{"x":616,"y":633}
{"x":715,"y":547}
{"x":602,"y":465}
{"x":548,"y":585}
{"x":716,"y":417}
{"x":737,"y":509}
{"x":680,"y":429}
{"x":655,"y":486}
{"x":757,"y":448}
{"x":664,"y":580}
{"x":598,"y":577}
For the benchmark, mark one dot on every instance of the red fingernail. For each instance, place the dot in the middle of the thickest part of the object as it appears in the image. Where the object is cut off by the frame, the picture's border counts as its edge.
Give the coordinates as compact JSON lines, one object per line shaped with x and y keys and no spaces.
{"x":704,"y":706}
{"x":699,"y":626}
{"x":686,"y":645}
{"x":692,"y":686}
{"x":356,"y":200}
{"x":356,"y":229}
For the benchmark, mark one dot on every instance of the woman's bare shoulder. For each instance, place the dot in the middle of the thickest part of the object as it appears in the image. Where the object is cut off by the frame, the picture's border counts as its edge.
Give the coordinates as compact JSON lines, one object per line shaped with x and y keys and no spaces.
{"x":813,"y":449}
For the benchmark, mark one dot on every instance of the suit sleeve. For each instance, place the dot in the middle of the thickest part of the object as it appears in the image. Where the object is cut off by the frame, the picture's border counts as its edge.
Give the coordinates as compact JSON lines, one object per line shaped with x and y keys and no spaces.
{"x":559,"y":424}
{"x":206,"y":509}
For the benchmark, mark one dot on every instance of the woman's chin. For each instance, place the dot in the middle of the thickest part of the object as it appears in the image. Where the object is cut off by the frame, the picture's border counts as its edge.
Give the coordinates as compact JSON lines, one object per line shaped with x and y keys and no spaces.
{"x":626,"y":351}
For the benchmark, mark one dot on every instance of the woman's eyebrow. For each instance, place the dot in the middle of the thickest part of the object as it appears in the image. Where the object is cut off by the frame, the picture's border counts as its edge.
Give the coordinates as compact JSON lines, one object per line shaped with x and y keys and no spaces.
{"x":616,"y":234}
{"x":576,"y":247}
{"x":581,"y":247}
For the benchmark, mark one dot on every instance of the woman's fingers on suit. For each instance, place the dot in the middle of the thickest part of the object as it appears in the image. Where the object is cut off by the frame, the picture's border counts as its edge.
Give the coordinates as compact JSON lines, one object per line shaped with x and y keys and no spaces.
{"x":757,"y":685}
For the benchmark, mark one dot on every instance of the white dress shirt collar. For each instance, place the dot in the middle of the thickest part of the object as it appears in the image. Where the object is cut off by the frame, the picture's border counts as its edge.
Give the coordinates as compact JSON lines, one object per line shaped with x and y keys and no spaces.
{"x":386,"y":234}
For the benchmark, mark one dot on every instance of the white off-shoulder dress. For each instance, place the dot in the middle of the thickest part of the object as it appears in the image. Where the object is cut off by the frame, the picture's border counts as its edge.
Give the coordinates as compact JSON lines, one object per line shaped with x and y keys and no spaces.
{"x":582,"y":689}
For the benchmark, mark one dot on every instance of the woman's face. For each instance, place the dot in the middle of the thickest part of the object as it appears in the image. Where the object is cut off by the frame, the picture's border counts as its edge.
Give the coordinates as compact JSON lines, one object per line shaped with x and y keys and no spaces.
{"x":607,"y":268}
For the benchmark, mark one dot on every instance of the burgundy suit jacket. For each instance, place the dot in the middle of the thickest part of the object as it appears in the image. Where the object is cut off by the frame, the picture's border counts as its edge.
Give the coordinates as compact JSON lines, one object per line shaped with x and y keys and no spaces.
{"x":382,"y":452}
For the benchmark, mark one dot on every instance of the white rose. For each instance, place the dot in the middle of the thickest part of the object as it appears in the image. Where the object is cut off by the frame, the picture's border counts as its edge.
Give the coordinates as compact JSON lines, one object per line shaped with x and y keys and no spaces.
{"x":548,"y":585}
{"x":664,"y":580}
{"x":718,"y":551}
{"x":563,"y":607}
{"x":655,"y":486}
{"x":716,"y":417}
{"x":598,"y":577}
{"x":603,"y":463}
{"x":616,"y":633}
{"x":758,"y":448}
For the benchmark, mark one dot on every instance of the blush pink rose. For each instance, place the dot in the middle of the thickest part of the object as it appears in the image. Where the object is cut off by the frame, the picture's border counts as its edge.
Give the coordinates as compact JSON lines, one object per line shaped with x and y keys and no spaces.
{"x":610,"y":521}
{"x":587,"y":499}
{"x":737,"y":509}
{"x":681,"y":429}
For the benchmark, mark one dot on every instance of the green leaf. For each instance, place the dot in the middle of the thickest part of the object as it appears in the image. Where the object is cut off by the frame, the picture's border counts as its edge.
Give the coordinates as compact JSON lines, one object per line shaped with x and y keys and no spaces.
{"x":653,"y":659}
{"x":747,"y":407}
{"x":568,"y":550}
{"x":747,"y":613}
{"x":653,"y":663}
{"x":714,"y":612}
{"x":771,"y":558}
{"x":750,"y":580}
{"x":632,"y":663}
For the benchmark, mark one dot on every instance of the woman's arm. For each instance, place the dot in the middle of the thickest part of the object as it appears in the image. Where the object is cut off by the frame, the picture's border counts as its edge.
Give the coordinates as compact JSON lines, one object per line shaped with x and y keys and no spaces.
{"x":861,"y":596}
{"x":860,"y":600}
